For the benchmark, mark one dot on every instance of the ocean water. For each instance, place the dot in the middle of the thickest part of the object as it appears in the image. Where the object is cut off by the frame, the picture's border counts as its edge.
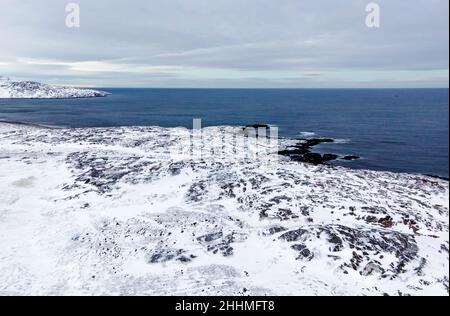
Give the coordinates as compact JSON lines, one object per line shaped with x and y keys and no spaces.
{"x":400,"y":130}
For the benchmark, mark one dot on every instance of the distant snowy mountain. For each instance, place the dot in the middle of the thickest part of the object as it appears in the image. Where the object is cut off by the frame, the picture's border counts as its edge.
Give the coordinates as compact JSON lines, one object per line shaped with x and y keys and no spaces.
{"x":13,"y":89}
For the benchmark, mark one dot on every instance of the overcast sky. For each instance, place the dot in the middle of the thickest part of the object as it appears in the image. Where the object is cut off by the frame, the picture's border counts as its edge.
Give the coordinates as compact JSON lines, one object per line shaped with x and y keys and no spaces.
{"x":226,"y":43}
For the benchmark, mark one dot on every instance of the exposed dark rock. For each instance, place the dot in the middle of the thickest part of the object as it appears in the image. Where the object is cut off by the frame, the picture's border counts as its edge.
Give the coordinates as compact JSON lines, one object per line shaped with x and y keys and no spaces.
{"x":196,"y":191}
{"x":312,"y":158}
{"x":285,"y":214}
{"x":164,"y":255}
{"x":386,"y":222}
{"x":316,"y":141}
{"x":257,"y":126}
{"x":175,"y":168}
{"x":217,"y":242}
{"x":336,"y":241}
{"x":294,"y":235}
{"x":329,"y":157}
{"x":304,"y":210}
{"x":304,"y":252}
{"x":210,"y":237}
{"x":301,"y":152}
{"x":273,"y":230}
{"x":298,"y":247}
{"x":291,"y":152}
{"x":278,"y":199}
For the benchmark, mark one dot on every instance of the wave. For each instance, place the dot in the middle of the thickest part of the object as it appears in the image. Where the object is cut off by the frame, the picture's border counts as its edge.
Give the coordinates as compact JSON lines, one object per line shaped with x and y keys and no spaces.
{"x":342,"y":140}
{"x":307,"y":134}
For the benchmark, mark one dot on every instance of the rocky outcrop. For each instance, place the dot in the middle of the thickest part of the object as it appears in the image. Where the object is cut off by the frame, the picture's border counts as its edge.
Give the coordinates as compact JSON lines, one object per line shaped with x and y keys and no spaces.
{"x":301,"y":151}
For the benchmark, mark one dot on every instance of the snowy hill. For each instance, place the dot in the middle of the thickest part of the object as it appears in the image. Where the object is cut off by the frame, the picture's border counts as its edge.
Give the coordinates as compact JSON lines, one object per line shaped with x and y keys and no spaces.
{"x":109,"y":211}
{"x":12,"y":89}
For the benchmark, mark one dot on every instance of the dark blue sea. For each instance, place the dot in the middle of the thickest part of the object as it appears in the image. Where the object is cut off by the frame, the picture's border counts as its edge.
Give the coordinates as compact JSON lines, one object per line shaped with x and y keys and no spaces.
{"x":400,"y":130}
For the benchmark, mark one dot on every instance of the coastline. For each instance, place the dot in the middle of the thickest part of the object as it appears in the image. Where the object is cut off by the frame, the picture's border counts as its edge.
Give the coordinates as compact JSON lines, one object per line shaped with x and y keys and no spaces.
{"x":109,"y":212}
{"x":138,"y":126}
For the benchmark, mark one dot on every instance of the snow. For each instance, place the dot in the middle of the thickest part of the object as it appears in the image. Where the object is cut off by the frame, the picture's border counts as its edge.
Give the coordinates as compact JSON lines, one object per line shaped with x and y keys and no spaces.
{"x":13,"y":89}
{"x":115,"y":211}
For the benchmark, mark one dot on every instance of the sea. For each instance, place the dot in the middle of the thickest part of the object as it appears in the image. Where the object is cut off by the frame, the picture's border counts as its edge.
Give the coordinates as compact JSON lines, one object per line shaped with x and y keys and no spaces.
{"x":398,"y":130}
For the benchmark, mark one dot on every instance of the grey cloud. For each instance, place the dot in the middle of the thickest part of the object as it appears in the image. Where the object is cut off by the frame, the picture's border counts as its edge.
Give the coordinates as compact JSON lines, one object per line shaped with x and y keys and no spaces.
{"x":257,"y":42}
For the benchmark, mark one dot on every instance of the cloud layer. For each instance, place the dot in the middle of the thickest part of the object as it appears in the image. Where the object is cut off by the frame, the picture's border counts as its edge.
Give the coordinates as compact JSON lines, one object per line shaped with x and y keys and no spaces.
{"x":227,"y":43}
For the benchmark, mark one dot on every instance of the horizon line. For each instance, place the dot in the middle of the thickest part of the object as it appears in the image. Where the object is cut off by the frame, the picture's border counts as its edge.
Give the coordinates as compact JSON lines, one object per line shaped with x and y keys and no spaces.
{"x":262,"y":88}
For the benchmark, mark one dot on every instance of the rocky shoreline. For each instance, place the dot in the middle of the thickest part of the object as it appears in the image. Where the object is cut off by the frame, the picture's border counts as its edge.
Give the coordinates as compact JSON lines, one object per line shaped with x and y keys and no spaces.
{"x":301,"y":152}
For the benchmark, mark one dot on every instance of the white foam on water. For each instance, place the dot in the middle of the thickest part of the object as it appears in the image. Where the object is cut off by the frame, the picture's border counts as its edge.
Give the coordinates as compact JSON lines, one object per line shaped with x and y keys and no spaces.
{"x":307,"y":134}
{"x":342,"y":141}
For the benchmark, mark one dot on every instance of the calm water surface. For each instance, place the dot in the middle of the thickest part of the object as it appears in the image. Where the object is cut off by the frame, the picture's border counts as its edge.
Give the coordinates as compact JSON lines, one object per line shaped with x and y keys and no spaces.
{"x":401,"y":130}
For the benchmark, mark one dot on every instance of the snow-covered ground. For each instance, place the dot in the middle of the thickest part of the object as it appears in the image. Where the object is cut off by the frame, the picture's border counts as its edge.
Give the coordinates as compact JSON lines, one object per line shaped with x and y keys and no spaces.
{"x":13,"y":89}
{"x":110,"y":211}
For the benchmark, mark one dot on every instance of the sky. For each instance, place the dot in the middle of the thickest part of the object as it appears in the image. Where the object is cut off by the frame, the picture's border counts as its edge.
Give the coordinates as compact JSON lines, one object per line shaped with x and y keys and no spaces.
{"x":227,"y":43}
